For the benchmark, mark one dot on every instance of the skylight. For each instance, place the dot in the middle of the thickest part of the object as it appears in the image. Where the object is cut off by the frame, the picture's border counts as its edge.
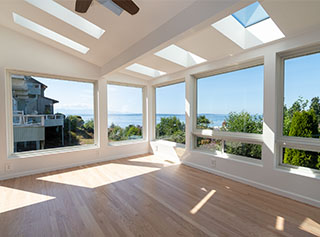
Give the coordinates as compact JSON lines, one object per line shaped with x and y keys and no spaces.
{"x":179,"y":56}
{"x":20,"y":20}
{"x":249,"y":27}
{"x":251,"y":14}
{"x":68,"y":16}
{"x":148,"y":71}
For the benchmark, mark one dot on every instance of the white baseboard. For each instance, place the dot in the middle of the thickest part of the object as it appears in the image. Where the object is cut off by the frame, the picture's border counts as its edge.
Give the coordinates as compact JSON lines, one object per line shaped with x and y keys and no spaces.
{"x":268,"y":188}
{"x":44,"y":170}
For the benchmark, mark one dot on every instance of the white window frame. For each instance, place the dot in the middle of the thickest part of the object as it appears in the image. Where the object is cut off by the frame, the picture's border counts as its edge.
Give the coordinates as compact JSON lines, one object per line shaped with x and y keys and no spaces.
{"x":144,"y":115}
{"x":249,"y":138}
{"x":51,"y":151}
{"x":299,"y":143}
{"x":154,"y":122}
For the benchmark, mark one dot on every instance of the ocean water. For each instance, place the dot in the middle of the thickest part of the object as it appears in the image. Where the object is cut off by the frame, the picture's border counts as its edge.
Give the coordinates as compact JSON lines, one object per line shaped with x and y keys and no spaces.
{"x":123,"y":120}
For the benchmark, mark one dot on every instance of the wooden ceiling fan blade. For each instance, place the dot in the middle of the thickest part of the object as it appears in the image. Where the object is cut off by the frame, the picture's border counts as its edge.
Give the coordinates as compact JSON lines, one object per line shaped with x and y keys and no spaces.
{"x":82,"y":6}
{"x":127,"y":5}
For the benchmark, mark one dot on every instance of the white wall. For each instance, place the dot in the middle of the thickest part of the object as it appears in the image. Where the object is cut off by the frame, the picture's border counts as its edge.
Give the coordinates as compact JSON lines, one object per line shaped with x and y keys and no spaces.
{"x":18,"y":52}
{"x":265,"y":175}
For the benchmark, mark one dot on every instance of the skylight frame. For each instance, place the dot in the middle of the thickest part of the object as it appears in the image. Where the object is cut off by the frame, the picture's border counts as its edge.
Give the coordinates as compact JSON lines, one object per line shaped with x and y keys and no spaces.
{"x":180,"y":56}
{"x":145,"y":70}
{"x":69,"y":17}
{"x":254,"y":10}
{"x":253,"y":35}
{"x":30,"y":25}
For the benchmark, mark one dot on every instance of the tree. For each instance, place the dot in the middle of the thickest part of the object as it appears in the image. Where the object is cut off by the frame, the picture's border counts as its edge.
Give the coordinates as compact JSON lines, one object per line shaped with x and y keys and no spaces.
{"x":315,"y":105}
{"x":243,"y":122}
{"x":132,"y":130}
{"x":304,"y":124}
{"x":171,"y":129}
{"x":203,"y":122}
{"x":89,"y":126}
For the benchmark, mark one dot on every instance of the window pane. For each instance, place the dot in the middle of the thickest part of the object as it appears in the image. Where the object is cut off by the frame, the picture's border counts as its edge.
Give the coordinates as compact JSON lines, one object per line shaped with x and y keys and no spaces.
{"x":170,"y":114}
{"x":231,"y":101}
{"x":302,"y":158}
{"x":209,"y":144}
{"x":243,"y":149}
{"x":125,"y":118}
{"x":301,"y":96}
{"x":48,"y":114}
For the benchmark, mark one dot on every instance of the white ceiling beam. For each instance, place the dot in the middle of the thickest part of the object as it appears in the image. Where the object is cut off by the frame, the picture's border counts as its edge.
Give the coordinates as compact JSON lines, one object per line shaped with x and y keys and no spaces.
{"x":199,"y":12}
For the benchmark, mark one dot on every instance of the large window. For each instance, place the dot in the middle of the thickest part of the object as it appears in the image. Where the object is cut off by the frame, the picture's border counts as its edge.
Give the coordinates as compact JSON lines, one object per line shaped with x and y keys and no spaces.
{"x":232,"y":101}
{"x":228,"y":104}
{"x":125,"y":116}
{"x":170,"y":114}
{"x":51,"y":113}
{"x":301,"y":110}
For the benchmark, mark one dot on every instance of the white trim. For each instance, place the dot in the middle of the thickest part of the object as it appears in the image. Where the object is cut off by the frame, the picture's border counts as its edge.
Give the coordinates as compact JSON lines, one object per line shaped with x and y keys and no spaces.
{"x":268,"y":188}
{"x":39,"y":171}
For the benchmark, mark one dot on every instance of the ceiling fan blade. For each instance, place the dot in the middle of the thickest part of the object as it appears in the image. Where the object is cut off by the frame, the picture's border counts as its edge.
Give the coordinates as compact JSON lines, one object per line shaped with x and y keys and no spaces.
{"x":82,"y":5}
{"x":127,"y":5}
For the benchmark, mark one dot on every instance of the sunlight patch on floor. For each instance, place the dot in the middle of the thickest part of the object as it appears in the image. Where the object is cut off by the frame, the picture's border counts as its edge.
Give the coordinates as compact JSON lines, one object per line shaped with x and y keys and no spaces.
{"x":310,"y":226}
{"x":197,"y":207}
{"x":93,"y":177}
{"x":11,"y":199}
{"x":280,"y":223}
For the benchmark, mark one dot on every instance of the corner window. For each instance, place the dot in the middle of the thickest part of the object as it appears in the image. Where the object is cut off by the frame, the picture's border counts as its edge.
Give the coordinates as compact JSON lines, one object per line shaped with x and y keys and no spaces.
{"x":170,"y":114}
{"x":125,"y":116}
{"x":57,"y":117}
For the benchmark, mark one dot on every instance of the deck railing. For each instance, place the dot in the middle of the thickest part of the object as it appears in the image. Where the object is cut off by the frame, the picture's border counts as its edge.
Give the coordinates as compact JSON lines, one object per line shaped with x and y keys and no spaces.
{"x":19,"y":119}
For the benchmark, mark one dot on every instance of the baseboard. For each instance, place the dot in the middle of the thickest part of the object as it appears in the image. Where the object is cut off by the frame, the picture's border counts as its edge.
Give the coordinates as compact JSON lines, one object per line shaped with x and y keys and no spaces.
{"x":268,"y":188}
{"x":44,"y":170}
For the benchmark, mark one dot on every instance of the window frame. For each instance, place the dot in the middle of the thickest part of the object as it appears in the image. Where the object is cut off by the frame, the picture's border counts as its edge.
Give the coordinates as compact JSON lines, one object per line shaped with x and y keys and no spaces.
{"x":144,"y":115}
{"x":154,"y":122}
{"x":50,"y":151}
{"x":250,"y":138}
{"x":281,"y":141}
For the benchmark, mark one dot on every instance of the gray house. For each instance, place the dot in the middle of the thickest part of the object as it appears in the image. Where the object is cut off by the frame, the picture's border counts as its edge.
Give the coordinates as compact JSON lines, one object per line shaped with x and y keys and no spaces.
{"x":28,"y":96}
{"x":33,"y":114}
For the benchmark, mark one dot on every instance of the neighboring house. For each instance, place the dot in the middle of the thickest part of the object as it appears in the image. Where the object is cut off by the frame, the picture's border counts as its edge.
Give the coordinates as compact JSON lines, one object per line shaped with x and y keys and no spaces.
{"x":28,"y":94}
{"x":33,"y":114}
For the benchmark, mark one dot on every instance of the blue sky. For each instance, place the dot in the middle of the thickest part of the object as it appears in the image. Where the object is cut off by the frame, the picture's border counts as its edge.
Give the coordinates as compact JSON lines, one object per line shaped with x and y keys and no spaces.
{"x":220,"y":94}
{"x":73,"y":97}
{"x":124,"y":99}
{"x":236,"y":91}
{"x":171,"y":99}
{"x":302,"y":78}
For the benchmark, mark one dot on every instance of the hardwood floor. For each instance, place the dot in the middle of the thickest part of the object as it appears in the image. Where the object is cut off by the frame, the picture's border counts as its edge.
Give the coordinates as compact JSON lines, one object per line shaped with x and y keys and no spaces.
{"x":145,"y":196}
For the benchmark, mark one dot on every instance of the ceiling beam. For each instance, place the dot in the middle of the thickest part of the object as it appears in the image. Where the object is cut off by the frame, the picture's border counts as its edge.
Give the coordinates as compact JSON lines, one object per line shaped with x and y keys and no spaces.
{"x":199,"y":12}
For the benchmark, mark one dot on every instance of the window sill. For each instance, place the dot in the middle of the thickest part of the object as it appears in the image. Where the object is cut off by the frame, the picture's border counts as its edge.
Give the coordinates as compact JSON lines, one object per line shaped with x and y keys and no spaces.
{"x":302,"y":171}
{"x":169,"y":143}
{"x":230,"y":157}
{"x":53,"y":151}
{"x":127,"y":142}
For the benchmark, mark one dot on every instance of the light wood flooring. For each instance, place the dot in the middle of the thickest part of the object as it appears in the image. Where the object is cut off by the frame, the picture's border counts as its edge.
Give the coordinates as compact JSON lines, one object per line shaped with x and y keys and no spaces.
{"x":146,"y":196}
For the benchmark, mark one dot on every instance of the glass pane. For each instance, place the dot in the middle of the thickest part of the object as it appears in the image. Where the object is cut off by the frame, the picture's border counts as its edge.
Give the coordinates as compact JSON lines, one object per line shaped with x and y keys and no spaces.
{"x":243,"y":149}
{"x":47,"y":115}
{"x":170,"y":114}
{"x":302,"y":158}
{"x":251,"y":14}
{"x":125,"y":118}
{"x":302,"y":96}
{"x":209,"y":144}
{"x":231,"y":101}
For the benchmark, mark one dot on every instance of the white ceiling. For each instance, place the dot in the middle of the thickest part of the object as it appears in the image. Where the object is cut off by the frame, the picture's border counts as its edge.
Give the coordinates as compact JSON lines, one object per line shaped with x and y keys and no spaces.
{"x":124,"y":32}
{"x":121,"y":31}
{"x":292,"y":17}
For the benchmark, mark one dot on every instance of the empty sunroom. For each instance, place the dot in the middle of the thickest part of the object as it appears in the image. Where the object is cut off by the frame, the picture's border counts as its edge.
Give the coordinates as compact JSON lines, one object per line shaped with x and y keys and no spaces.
{"x":159,"y":118}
